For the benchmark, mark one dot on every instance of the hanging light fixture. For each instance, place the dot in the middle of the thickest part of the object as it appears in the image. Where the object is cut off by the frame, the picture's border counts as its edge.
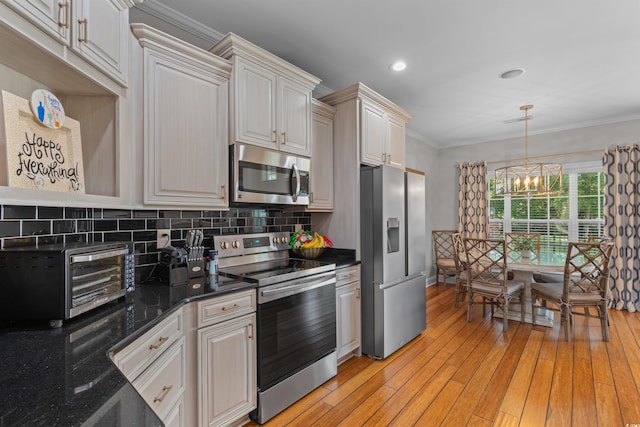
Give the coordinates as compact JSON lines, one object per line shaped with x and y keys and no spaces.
{"x":528,"y":179}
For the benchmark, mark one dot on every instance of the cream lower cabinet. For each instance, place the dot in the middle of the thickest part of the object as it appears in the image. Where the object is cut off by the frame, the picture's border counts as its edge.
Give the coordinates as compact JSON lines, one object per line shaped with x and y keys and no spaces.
{"x":348,"y":315}
{"x":185,"y":124}
{"x":321,"y":179}
{"x":155,"y":363}
{"x":227,"y":377}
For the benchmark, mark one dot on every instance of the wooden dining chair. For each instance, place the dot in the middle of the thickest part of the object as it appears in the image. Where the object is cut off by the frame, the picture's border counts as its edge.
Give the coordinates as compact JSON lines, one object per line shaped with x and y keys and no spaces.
{"x":444,"y":254}
{"x":487,"y":266}
{"x":585,"y":285}
{"x":462,"y":274}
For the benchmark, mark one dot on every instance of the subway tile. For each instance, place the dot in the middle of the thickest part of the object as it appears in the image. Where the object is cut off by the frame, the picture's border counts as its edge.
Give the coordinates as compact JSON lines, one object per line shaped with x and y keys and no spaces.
{"x":70,"y":238}
{"x":9,"y":228}
{"x":145,"y":214}
{"x":144,"y":236}
{"x":132,"y":224}
{"x":181,"y":223}
{"x":48,"y":212}
{"x":140,"y":248}
{"x":168,"y":214}
{"x":280,"y":221}
{"x":154,"y":224}
{"x":51,"y":240}
{"x":146,"y":259}
{"x":77,"y":213}
{"x":19,"y":212}
{"x":232,"y":213}
{"x":123,"y":236}
{"x":96,"y":213}
{"x":211,"y":214}
{"x":84,"y":225}
{"x":64,"y":226}
{"x":202,"y":223}
{"x":220,"y":223}
{"x":31,"y":228}
{"x":105,"y":225}
{"x":116,"y":213}
{"x":191,"y":214}
{"x":97,"y":237}
{"x":19,"y":242}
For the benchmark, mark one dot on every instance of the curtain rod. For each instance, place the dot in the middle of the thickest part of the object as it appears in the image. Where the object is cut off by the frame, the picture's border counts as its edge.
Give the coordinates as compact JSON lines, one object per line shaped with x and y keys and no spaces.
{"x":550,"y":156}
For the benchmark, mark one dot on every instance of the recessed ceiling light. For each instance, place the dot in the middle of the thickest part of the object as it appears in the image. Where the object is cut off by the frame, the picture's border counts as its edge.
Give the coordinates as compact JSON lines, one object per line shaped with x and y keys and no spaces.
{"x":512,"y":74}
{"x":398,"y":66}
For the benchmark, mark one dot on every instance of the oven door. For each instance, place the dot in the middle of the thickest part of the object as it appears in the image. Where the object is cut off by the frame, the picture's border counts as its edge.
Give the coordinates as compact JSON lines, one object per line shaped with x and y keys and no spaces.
{"x":265,"y":176}
{"x":296,"y":326}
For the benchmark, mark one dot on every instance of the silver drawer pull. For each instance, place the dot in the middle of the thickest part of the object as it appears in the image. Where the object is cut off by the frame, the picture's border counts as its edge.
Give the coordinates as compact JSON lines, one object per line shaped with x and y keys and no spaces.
{"x":161,"y":341}
{"x":165,"y":390}
{"x":230,"y":308}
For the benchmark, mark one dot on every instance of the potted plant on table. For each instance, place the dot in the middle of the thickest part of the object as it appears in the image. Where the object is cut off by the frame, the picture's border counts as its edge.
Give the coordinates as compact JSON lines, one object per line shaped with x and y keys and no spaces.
{"x":524,"y":245}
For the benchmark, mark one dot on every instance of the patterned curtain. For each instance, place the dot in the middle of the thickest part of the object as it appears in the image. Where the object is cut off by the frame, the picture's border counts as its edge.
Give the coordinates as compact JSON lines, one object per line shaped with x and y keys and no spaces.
{"x":622,"y":223}
{"x":472,"y":200}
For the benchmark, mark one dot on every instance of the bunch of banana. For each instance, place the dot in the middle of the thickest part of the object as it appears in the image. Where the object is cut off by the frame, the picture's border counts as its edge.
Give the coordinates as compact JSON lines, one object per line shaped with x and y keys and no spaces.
{"x":316,"y":242}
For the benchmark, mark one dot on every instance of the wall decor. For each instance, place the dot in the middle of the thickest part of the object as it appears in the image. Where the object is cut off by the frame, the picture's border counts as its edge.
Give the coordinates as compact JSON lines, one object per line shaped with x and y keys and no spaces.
{"x":39,"y":157}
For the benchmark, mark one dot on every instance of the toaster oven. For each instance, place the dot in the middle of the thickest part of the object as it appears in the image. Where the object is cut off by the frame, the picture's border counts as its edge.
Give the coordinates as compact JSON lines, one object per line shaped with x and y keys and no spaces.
{"x":60,"y":281}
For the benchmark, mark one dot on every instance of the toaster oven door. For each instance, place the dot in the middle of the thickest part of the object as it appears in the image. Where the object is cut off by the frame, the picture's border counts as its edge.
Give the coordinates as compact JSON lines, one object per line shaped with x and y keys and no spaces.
{"x":96,"y":278}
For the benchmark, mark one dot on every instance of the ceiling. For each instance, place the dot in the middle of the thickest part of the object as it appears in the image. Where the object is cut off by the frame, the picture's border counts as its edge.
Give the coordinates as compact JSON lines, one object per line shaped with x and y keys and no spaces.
{"x":582,"y":57}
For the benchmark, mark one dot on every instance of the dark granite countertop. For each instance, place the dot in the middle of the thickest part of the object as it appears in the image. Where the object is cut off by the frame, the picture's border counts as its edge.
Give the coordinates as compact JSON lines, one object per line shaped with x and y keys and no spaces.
{"x":64,"y":376}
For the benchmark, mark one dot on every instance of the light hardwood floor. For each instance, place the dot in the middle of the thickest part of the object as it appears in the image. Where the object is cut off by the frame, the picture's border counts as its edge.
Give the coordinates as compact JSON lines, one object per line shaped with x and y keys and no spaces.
{"x":457,"y":373}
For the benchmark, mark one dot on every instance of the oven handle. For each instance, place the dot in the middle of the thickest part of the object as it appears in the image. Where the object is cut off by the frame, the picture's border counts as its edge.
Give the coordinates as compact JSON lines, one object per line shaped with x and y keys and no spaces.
{"x":297,"y":287}
{"x":98,"y":255}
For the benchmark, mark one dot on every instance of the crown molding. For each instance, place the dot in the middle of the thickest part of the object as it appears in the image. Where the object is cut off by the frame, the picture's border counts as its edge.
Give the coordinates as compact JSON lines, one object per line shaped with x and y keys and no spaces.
{"x":178,"y":20}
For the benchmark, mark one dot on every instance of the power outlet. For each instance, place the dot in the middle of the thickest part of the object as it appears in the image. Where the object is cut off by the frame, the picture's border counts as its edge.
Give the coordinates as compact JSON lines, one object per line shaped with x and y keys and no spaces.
{"x":163,"y":238}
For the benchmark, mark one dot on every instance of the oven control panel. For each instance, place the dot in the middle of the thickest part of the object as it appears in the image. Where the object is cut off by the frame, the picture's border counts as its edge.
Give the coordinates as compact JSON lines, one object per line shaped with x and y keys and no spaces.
{"x":245,"y":244}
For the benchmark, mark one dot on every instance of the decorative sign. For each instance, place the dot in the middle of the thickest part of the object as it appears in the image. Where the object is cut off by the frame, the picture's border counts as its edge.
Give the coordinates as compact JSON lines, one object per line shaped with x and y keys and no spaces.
{"x":39,"y":157}
{"x":47,"y":109}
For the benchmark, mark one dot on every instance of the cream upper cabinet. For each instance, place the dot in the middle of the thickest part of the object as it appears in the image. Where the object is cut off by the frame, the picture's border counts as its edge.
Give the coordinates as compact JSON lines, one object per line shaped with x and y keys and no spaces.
{"x":321,"y":179}
{"x":270,"y":98}
{"x":382,"y":125}
{"x":185,"y":124}
{"x":97,"y":30}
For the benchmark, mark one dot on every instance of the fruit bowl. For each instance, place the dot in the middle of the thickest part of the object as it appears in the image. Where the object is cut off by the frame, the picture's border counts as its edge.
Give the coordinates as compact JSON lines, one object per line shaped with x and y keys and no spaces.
{"x":308,"y":253}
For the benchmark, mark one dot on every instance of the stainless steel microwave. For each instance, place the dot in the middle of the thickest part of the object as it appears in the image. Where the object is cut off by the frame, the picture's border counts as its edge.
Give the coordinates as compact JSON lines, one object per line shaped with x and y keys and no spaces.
{"x":60,"y":281}
{"x":260,"y":175}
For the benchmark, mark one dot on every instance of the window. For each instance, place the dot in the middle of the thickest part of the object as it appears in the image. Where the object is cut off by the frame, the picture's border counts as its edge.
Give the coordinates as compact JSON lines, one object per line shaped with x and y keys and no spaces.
{"x":574,"y":214}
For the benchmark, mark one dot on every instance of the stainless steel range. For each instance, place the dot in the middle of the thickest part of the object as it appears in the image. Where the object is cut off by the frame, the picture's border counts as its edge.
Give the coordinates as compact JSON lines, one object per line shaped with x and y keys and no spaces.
{"x":296,"y":330}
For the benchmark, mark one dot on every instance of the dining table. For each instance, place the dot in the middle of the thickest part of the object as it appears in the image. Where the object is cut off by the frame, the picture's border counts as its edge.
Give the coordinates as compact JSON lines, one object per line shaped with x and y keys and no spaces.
{"x":523,"y":269}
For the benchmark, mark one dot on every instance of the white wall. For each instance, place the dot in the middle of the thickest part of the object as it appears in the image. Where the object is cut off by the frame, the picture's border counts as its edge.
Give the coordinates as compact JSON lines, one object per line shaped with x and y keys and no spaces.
{"x":445,"y":211}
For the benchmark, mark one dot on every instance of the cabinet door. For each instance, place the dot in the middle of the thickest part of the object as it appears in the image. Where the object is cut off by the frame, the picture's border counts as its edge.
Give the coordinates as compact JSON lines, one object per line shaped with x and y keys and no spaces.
{"x":396,"y":153}
{"x":373,"y":135}
{"x":101,"y":35}
{"x":321,"y":179}
{"x":294,"y":113}
{"x":227,"y":371}
{"x":348,"y":318}
{"x":51,"y":16}
{"x":255,"y":105}
{"x":185,"y":138}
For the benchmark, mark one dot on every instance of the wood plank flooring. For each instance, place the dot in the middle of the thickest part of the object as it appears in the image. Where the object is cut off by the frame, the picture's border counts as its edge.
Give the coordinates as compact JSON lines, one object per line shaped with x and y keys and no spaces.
{"x":471,"y":374}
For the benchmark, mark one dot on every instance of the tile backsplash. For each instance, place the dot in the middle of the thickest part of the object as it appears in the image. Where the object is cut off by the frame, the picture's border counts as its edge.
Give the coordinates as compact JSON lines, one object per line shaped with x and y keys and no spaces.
{"x":31,"y":225}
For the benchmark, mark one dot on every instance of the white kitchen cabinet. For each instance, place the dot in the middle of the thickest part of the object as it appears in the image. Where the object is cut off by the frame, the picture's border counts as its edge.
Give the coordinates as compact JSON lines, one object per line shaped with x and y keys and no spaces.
{"x":348,"y":315}
{"x":97,"y":30}
{"x":32,"y":57}
{"x":270,"y":98}
{"x":226,"y":359}
{"x":155,"y":364}
{"x":185,"y":104}
{"x":321,"y":179}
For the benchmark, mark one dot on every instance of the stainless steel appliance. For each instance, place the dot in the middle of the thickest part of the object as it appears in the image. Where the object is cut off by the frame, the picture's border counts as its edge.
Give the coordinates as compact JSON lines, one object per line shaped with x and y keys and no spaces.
{"x":393,"y":254}
{"x":260,"y":175}
{"x":60,"y":281}
{"x":296,"y":316}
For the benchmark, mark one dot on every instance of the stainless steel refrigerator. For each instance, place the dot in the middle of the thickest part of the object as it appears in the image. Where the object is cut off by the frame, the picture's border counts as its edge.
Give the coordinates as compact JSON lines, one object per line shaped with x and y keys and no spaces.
{"x":393,"y":249}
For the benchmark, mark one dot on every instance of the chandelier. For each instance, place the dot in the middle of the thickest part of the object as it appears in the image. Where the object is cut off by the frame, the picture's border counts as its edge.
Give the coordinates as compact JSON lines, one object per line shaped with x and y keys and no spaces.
{"x":528,"y":179}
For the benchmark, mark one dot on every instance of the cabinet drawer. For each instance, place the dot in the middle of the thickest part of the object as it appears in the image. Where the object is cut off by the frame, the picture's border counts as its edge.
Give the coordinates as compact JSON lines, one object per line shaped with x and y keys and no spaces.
{"x":161,"y":385}
{"x":347,"y":275}
{"x":226,"y":307}
{"x":135,"y":358}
